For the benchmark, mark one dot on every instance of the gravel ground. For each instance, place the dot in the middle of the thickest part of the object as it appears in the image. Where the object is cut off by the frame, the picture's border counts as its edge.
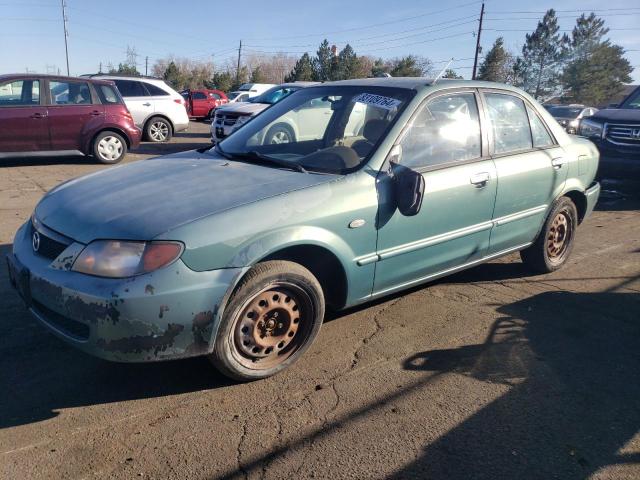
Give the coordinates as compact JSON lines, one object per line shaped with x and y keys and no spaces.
{"x":491,"y":373}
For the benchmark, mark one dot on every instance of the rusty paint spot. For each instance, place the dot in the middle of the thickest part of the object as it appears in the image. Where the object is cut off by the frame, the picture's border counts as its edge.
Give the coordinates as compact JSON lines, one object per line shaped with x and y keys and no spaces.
{"x":201,"y":329}
{"x":146,"y":343}
{"x":149,"y":289}
{"x":163,"y":308}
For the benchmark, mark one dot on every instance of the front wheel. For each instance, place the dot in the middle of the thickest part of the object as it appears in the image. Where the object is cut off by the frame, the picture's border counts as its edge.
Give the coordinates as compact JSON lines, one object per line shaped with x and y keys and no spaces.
{"x":553,"y":246}
{"x":158,"y":130}
{"x":271,"y":319}
{"x":109,"y":147}
{"x":280,"y":134}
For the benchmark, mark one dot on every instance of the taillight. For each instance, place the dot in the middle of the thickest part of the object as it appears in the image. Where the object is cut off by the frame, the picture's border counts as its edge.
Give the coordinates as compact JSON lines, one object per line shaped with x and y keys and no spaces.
{"x":179,"y":101}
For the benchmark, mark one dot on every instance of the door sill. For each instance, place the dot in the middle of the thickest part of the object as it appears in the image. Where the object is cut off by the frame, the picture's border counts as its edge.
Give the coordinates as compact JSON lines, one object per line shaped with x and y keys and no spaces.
{"x":41,"y":153}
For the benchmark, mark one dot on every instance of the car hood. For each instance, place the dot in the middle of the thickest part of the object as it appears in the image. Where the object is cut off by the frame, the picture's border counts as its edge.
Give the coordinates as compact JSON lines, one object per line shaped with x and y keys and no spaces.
{"x":630,"y":115}
{"x":144,"y":199}
{"x":242,"y":108}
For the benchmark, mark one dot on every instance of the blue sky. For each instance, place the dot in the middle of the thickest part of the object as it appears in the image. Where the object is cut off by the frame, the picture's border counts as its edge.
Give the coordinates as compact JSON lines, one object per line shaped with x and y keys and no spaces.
{"x":100,"y":31}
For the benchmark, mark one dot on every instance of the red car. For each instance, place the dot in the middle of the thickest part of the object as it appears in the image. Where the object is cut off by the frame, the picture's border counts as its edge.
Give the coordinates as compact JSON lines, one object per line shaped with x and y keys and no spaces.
{"x":202,"y":103}
{"x":51,"y":115}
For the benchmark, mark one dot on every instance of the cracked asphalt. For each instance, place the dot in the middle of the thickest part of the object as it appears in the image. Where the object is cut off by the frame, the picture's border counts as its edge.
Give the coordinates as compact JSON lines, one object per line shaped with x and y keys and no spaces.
{"x":493,"y":373}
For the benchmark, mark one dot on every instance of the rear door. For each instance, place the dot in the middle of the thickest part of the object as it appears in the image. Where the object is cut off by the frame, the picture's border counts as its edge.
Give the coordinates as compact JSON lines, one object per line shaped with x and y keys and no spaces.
{"x":530,"y":166}
{"x":24,"y":124}
{"x":446,"y":145}
{"x":199,"y":104}
{"x":137,"y":99}
{"x":75,"y":113}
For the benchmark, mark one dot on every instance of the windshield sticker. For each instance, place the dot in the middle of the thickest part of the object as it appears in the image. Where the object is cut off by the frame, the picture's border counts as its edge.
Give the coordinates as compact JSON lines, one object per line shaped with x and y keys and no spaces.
{"x":378,"y":101}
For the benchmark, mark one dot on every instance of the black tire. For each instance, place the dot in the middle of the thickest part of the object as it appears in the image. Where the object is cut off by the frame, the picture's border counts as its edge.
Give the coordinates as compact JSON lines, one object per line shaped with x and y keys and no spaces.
{"x":211,"y":113}
{"x":554,"y":244}
{"x":271,"y":319}
{"x":109,"y":147}
{"x":283,"y":132}
{"x":158,"y":130}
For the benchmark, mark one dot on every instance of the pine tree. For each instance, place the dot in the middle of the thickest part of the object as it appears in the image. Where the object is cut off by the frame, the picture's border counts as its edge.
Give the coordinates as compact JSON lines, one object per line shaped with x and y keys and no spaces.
{"x":451,"y":73}
{"x":347,"y":64}
{"x":596,"y":70}
{"x":323,"y":62}
{"x":302,"y":71}
{"x":497,"y":65}
{"x":406,"y":67}
{"x":542,"y":57}
{"x":172,"y":76}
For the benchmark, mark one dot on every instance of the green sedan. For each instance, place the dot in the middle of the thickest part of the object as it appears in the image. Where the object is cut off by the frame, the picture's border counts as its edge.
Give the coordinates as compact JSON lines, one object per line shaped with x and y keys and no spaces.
{"x":236,"y":251}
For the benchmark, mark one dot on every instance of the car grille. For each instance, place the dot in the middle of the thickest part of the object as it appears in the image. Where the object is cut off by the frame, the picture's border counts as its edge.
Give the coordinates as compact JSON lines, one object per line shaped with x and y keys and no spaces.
{"x":49,"y":248}
{"x":228,"y":119}
{"x":69,"y":327}
{"x":629,"y":134}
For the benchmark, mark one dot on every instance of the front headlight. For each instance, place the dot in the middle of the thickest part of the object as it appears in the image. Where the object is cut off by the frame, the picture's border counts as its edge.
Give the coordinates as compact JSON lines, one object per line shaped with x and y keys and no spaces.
{"x":118,"y":259}
{"x":590,"y":128}
{"x":574,"y":123}
{"x":242,"y":120}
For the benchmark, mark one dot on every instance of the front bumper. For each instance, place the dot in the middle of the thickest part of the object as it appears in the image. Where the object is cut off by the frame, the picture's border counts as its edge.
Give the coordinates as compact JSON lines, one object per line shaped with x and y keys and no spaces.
{"x":170,"y":313}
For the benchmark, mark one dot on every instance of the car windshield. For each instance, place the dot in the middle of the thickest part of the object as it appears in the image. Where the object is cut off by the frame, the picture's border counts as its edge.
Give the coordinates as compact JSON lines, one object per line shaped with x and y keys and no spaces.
{"x":329,"y":129}
{"x":565,"y":112}
{"x":273,"y":95}
{"x":233,"y":95}
{"x":633,"y":101}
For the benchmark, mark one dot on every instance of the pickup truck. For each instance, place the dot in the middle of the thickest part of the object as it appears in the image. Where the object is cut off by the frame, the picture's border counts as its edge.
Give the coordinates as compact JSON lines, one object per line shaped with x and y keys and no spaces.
{"x":202,"y":103}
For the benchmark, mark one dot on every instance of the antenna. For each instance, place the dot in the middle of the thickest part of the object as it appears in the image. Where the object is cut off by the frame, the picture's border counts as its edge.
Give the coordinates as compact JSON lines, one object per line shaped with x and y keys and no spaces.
{"x":435,"y":80}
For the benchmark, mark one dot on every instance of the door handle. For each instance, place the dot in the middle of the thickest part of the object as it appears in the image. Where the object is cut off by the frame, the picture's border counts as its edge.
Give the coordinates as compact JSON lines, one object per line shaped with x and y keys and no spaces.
{"x":146,"y":104}
{"x":39,"y":115}
{"x":95,"y":113}
{"x":480,"y":179}
{"x":558,"y":162}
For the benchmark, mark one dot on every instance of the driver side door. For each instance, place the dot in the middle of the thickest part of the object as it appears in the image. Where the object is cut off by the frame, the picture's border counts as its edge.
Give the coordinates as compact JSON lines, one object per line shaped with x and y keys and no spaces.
{"x":446,"y":145}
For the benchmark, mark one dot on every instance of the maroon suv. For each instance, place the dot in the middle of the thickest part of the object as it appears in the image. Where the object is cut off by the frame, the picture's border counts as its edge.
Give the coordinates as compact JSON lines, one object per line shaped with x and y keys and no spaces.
{"x":49,"y":115}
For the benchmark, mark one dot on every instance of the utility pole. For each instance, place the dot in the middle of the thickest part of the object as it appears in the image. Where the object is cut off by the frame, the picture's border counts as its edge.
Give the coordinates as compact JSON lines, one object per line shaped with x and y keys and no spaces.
{"x":146,"y":66}
{"x":100,"y":68}
{"x":238,"y":69}
{"x":66,"y":33}
{"x":475,"y":61}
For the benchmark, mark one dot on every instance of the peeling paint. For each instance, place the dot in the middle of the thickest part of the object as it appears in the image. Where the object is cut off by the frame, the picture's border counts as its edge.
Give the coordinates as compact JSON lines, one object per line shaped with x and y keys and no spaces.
{"x":143,"y":343}
{"x":163,"y":308}
{"x":149,"y":289}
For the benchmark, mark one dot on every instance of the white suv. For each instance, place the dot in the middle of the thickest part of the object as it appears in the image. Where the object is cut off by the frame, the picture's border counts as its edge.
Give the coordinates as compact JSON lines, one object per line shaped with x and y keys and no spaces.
{"x":156,"y":107}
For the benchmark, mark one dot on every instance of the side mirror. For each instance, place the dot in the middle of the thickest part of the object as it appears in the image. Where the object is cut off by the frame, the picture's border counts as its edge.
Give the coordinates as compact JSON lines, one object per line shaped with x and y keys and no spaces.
{"x":408,"y":185}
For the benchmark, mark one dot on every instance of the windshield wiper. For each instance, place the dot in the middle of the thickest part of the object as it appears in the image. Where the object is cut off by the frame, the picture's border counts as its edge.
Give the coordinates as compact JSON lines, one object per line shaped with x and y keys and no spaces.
{"x":253,"y":155}
{"x":275,"y":161}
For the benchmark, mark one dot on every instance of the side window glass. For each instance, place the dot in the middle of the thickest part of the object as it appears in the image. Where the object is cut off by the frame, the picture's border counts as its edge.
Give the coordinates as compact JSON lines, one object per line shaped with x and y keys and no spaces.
{"x":108,"y":94}
{"x":215,"y":95}
{"x":541,"y":137}
{"x":20,"y":93}
{"x":158,"y":92}
{"x":199,"y":96}
{"x":446,"y":130}
{"x":129,"y":88}
{"x":70,"y":93}
{"x":509,"y":121}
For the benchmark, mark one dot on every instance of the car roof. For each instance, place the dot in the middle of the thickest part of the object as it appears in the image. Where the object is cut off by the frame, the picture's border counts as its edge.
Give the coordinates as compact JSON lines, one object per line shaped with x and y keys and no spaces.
{"x":18,"y":76}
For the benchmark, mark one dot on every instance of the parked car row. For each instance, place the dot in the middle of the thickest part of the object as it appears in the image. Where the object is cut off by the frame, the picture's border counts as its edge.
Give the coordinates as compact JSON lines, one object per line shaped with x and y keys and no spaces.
{"x":569,"y":116}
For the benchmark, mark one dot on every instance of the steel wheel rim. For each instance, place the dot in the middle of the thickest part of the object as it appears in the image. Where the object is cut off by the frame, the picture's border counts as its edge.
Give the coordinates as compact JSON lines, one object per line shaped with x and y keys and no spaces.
{"x":110,"y":148}
{"x":272,"y":326}
{"x":559,"y":236}
{"x":280,"y":136}
{"x":159,"y":131}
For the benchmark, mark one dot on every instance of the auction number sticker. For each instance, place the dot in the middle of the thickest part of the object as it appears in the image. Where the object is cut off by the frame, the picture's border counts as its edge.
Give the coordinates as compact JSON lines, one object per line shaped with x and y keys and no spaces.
{"x":377,"y":101}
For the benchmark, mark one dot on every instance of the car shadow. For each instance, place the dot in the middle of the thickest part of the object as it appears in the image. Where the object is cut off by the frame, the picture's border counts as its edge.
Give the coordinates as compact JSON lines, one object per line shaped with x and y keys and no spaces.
{"x":48,"y":160}
{"x":41,"y":374}
{"x":151,"y":148}
{"x":573,"y":363}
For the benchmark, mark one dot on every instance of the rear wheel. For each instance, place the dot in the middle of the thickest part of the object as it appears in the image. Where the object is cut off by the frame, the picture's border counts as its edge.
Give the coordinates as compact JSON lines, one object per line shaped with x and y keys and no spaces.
{"x":109,"y":147}
{"x":553,"y":246}
{"x":158,"y":129}
{"x":271,"y":319}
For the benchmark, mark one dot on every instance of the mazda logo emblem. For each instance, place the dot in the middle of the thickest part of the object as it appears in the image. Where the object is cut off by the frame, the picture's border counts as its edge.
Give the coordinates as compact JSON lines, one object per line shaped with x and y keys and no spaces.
{"x":35,"y":241}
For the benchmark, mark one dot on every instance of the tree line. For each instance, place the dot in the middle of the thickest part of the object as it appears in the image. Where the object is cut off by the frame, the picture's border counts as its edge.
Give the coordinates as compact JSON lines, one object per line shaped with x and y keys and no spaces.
{"x":583,"y":67}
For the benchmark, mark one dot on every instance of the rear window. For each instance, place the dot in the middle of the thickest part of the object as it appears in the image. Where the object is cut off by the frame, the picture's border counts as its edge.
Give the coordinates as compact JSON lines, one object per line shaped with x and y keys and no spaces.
{"x":108,"y":94}
{"x":130,"y":88}
{"x":155,"y":91}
